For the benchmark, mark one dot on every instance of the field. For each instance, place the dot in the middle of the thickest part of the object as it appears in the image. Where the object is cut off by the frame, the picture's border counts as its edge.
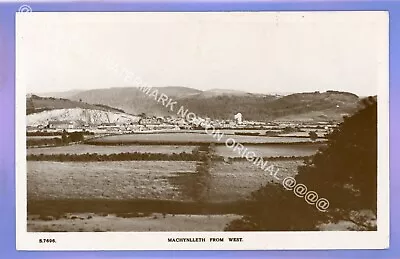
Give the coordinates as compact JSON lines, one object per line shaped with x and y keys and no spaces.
{"x":141,"y":195}
{"x":105,"y":180}
{"x":42,"y":137}
{"x":236,"y":181}
{"x":263,"y":150}
{"x":83,"y":149}
{"x":160,"y":180}
{"x":175,"y":138}
{"x":152,"y":195}
{"x":272,"y":150}
{"x":304,"y":134}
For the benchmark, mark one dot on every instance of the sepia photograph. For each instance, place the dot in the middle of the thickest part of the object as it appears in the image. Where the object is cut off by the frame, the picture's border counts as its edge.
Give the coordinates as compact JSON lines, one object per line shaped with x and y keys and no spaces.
{"x":219,"y":130}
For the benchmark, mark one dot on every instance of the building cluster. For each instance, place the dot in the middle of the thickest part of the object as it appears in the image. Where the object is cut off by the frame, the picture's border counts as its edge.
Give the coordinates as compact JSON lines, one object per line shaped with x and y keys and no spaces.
{"x":166,"y":123}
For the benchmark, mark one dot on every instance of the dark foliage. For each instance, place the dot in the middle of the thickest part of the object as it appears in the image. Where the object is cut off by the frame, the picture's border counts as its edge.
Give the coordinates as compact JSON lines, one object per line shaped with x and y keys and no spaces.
{"x":345,"y":172}
{"x":277,"y":209}
{"x":44,"y":142}
{"x":313,"y":135}
{"x":205,"y":153}
{"x":75,"y":137}
{"x":64,"y":139}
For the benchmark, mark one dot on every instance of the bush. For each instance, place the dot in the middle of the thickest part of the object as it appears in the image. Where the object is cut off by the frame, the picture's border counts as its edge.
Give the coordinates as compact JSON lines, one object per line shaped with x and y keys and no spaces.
{"x":76,"y":136}
{"x":313,"y":135}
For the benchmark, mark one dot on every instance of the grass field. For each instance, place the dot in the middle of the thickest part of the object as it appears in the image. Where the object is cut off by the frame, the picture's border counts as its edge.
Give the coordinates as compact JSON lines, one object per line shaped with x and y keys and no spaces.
{"x":192,"y":138}
{"x":83,"y":149}
{"x":160,"y":180}
{"x":141,"y":187}
{"x":272,"y":150}
{"x":236,"y":181}
{"x":105,"y":180}
{"x":304,"y":134}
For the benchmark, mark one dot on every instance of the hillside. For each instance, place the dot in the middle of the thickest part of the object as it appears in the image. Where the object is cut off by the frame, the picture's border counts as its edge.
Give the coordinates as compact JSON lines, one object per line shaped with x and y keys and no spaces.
{"x":41,"y":110}
{"x":132,"y":100}
{"x":295,"y":107}
{"x":84,"y":116}
{"x":64,"y":94}
{"x":35,"y":104}
{"x":330,"y":105}
{"x":222,"y":104}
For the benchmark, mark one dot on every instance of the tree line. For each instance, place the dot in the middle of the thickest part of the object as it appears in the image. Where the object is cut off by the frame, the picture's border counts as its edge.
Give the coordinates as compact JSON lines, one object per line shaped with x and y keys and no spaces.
{"x":64,"y":139}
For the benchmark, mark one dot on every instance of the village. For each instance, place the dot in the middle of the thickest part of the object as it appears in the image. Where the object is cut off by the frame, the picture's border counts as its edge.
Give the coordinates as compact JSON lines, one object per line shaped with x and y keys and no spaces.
{"x":148,"y":124}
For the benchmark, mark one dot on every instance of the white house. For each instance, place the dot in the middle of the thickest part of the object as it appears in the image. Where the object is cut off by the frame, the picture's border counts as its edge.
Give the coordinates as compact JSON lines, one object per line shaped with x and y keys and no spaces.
{"x":238,"y":118}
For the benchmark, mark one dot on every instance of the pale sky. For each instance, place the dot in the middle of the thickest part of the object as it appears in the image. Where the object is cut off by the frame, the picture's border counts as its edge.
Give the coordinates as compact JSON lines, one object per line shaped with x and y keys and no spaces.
{"x":253,"y":52}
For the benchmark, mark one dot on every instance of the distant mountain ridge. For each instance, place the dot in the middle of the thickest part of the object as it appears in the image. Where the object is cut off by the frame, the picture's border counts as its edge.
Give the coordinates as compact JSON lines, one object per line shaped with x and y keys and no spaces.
{"x":223,"y":104}
{"x":224,"y":92}
{"x":63,"y":94}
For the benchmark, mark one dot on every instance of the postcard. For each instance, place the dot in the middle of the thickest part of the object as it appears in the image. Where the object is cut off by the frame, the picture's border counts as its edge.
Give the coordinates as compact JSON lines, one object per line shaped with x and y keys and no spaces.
{"x":202,"y":130}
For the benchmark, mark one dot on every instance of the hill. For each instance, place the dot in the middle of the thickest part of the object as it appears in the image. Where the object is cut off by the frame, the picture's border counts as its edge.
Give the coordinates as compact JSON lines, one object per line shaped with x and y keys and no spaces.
{"x":35,"y":104}
{"x":64,"y":94}
{"x":222,"y":104}
{"x":79,"y":115}
{"x":132,"y":100}
{"x":41,"y":110}
{"x":314,"y":106}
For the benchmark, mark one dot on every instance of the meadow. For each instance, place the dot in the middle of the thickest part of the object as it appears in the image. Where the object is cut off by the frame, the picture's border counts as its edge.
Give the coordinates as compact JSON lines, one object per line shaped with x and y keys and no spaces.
{"x":160,"y":180}
{"x":144,"y":189}
{"x":237,"y":180}
{"x":189,"y":139}
{"x":266,"y":150}
{"x":105,"y":180}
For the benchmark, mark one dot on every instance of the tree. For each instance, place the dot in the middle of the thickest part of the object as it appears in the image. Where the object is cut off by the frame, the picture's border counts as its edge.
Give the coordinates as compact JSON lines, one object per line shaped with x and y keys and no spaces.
{"x":345,"y":172}
{"x":313,"y":135}
{"x":76,"y":136}
{"x":348,"y":166}
{"x":64,"y":137}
